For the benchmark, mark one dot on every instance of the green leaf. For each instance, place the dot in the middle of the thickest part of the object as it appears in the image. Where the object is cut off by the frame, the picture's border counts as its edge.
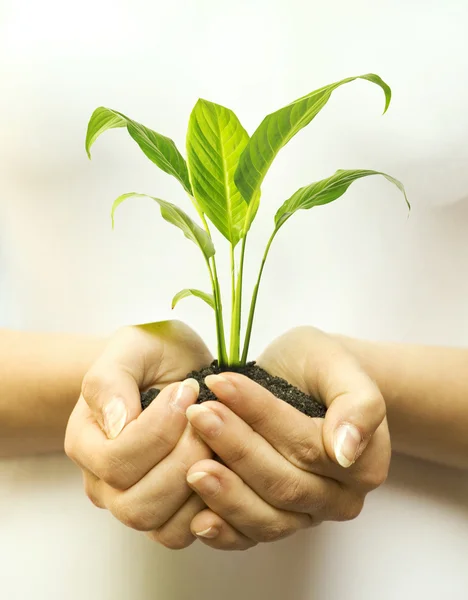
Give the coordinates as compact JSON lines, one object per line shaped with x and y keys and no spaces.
{"x":173,"y":214}
{"x":215,"y":141}
{"x":101,"y":120}
{"x":161,"y":150}
{"x":278,"y":128}
{"x":325,"y":191}
{"x":208,"y":298}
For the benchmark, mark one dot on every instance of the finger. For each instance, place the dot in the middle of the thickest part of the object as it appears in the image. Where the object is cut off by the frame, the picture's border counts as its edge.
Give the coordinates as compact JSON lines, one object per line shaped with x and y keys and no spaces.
{"x":329,"y":372}
{"x":228,"y":496}
{"x":135,"y":359}
{"x":371,"y":469}
{"x":142,"y":444}
{"x":261,"y":467}
{"x":176,"y":533}
{"x":113,"y":395}
{"x":92,"y":488}
{"x":215,"y":532}
{"x":111,"y":388}
{"x":356,"y":409}
{"x":183,"y":352}
{"x":153,"y":500}
{"x":296,"y":437}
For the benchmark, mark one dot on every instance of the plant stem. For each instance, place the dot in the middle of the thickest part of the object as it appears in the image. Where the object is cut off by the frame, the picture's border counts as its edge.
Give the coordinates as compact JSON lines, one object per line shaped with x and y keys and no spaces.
{"x":253,"y":302}
{"x":222,"y":353}
{"x":222,"y":356}
{"x":233,"y":282}
{"x":234,"y":337}
{"x":237,"y":311}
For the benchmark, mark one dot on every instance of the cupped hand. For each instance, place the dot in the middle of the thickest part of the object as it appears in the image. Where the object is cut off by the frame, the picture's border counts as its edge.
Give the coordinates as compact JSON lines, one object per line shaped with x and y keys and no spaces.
{"x":282,"y":471}
{"x":135,"y":463}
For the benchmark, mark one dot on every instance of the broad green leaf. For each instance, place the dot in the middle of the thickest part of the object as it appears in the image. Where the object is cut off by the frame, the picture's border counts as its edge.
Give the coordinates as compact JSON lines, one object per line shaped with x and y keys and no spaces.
{"x":278,"y":128}
{"x":173,"y":214}
{"x":215,"y":141}
{"x":101,"y":120}
{"x":208,"y":298}
{"x":325,"y":191}
{"x":161,"y":150}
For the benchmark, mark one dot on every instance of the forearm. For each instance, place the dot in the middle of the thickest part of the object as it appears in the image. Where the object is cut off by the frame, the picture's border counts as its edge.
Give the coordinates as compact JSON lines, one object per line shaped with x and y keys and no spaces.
{"x":426,"y":392}
{"x":40,"y":380}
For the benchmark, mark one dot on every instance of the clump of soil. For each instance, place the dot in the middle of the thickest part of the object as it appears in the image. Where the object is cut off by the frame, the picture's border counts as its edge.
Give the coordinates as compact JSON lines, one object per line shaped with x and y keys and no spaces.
{"x":277,"y":386}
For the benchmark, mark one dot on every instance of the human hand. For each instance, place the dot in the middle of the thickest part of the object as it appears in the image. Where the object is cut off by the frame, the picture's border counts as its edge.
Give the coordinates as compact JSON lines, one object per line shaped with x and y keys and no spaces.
{"x":135,"y":463}
{"x":284,"y":471}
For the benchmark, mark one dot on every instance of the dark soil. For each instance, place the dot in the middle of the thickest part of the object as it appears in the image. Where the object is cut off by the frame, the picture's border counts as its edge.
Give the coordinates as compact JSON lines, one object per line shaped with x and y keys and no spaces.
{"x":277,"y":386}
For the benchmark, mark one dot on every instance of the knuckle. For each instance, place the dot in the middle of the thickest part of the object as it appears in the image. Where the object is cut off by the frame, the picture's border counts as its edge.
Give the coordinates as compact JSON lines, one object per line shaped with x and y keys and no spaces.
{"x":374,"y":405}
{"x":238,"y":453}
{"x":373,"y":478}
{"x":163,"y":437}
{"x":350,"y":509}
{"x":133,"y":517}
{"x":91,"y":387}
{"x":92,"y":494}
{"x":114,"y":470}
{"x":258,"y":417}
{"x":305,"y":454}
{"x":180,"y":466}
{"x":274,"y":531}
{"x":70,"y":447}
{"x":235,"y":509}
{"x":288,"y":493}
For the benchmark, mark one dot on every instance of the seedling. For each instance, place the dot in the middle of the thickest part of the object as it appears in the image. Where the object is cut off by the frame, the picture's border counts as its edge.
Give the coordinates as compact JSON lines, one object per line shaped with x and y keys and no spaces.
{"x":222,"y":176}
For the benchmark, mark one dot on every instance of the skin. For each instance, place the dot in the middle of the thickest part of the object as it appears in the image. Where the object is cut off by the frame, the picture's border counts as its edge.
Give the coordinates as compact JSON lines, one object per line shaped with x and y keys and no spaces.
{"x":426,"y":395}
{"x":135,"y":463}
{"x":40,"y":381}
{"x":281,"y":470}
{"x":426,"y":392}
{"x":142,"y":467}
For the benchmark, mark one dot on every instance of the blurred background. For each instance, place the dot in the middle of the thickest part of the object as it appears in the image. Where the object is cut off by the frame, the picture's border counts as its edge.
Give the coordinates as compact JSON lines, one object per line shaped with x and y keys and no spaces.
{"x":359,"y":266}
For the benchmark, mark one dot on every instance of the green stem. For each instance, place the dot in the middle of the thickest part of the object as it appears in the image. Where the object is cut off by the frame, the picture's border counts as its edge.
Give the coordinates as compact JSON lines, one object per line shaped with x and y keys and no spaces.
{"x":233,"y":279}
{"x":222,"y":353}
{"x":222,"y":357}
{"x":234,"y":337}
{"x":237,"y":313}
{"x":253,"y":302}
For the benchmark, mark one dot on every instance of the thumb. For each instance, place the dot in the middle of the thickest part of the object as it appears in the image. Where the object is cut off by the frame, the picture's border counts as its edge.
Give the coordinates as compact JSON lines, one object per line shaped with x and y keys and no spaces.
{"x":112,"y":394}
{"x":355,"y":406}
{"x":319,"y":364}
{"x":356,"y":409}
{"x":111,"y":388}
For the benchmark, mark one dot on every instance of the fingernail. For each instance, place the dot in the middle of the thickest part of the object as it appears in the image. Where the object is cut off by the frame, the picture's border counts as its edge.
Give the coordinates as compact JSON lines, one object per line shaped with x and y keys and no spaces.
{"x":204,"y":483}
{"x":204,"y":420}
{"x":347,"y":442}
{"x":115,"y":416}
{"x":186,"y":394}
{"x":209,"y":533}
{"x":219,"y":385}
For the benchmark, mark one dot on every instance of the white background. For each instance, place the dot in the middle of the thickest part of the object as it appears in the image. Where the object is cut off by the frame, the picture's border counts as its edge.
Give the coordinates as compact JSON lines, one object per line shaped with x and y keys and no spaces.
{"x":359,"y":266}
